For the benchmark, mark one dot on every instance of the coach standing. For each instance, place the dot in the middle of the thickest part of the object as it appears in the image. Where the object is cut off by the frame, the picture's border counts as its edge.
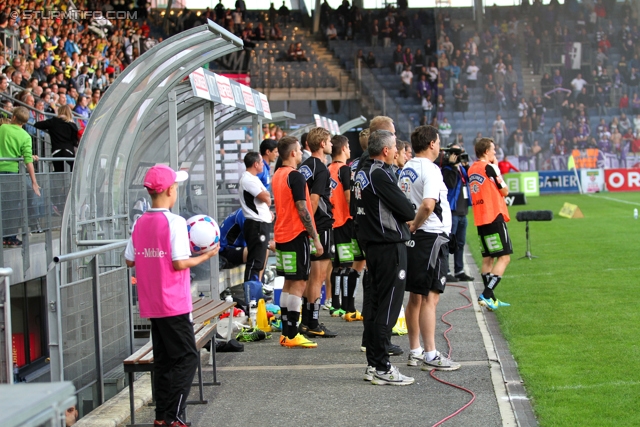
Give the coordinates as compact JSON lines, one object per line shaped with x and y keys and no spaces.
{"x":255,"y":201}
{"x":382,"y":211}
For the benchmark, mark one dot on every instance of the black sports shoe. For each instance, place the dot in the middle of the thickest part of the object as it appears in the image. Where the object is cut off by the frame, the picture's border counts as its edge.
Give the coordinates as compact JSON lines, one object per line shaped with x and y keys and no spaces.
{"x":463,"y":277}
{"x":303,"y":329}
{"x":395,"y":350}
{"x":451,"y":278}
{"x":320,"y":331}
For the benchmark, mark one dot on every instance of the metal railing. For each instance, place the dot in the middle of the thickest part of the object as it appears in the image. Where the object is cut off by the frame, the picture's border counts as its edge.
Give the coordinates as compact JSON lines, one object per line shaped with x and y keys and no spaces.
{"x":23,"y":213}
{"x":10,"y":41}
{"x":89,"y":301}
{"x":5,"y":305}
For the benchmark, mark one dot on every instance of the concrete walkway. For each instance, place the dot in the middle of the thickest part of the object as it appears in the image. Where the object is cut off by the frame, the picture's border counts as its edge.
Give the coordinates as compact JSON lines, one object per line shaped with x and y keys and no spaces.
{"x":271,"y":385}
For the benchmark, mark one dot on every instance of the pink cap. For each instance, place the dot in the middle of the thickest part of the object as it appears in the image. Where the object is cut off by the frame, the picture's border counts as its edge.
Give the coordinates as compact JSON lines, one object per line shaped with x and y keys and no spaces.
{"x":161,"y":177}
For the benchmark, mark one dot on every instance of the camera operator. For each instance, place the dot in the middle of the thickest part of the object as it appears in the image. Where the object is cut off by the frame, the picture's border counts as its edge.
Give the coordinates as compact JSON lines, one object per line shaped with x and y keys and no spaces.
{"x":454,"y":165}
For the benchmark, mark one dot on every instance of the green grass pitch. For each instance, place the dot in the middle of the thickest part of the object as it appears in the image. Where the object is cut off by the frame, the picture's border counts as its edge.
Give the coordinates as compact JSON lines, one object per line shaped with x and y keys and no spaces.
{"x":574,"y":321}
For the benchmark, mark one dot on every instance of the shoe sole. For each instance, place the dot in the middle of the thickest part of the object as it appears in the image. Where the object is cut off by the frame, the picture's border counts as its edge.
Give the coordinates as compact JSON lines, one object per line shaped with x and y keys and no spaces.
{"x":485,"y":305}
{"x":377,"y":381}
{"x":439,"y":368}
{"x":349,"y":319}
{"x":300,"y":346}
{"x":312,"y":335}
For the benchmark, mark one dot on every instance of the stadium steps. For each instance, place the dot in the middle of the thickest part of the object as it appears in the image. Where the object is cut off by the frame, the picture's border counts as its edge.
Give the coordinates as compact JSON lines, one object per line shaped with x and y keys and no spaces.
{"x":333,"y":66}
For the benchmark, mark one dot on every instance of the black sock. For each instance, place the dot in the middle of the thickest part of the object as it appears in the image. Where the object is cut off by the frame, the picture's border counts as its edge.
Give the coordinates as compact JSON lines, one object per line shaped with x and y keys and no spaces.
{"x":305,"y":313}
{"x":336,"y":283}
{"x":493,"y":284}
{"x":292,"y":323}
{"x":283,"y":318}
{"x":352,"y":282}
{"x":344,"y":289}
{"x":488,"y":292}
{"x":314,"y":314}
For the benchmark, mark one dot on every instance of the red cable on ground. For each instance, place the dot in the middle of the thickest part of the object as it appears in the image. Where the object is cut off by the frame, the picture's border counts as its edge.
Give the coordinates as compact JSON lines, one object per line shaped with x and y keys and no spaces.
{"x":442,"y":318}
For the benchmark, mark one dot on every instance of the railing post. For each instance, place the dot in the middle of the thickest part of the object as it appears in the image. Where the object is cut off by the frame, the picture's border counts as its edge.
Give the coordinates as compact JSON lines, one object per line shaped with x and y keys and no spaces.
{"x":5,"y":274}
{"x":25,"y":218}
{"x":97,"y":326}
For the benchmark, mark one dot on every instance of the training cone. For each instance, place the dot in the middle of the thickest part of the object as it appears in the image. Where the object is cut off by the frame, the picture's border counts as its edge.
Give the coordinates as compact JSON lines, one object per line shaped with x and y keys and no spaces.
{"x":262,"y":321}
{"x":401,"y":324}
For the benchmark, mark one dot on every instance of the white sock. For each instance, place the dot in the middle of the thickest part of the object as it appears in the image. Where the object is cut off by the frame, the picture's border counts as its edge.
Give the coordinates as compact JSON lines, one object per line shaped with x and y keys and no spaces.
{"x":430,"y":355}
{"x":284,"y":296}
{"x":417,"y":351}
{"x":294,"y":303}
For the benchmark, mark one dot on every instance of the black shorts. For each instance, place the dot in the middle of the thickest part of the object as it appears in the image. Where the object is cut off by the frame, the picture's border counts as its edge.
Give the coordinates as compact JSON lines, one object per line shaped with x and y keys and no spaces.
{"x":494,"y":240}
{"x":427,"y":262}
{"x":326,"y":239}
{"x":343,"y":238}
{"x":293,"y":259}
{"x":233,"y":254}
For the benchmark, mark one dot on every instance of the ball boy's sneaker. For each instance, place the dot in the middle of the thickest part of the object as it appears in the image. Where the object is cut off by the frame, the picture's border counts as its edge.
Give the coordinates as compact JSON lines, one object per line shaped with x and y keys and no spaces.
{"x":391,"y":377}
{"x":440,"y":363}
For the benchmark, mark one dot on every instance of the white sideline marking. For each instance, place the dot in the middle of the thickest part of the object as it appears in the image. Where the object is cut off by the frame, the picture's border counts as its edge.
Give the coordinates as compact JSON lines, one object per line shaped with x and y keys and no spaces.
{"x":497,"y":378}
{"x":614,"y":199}
{"x":587,"y":386}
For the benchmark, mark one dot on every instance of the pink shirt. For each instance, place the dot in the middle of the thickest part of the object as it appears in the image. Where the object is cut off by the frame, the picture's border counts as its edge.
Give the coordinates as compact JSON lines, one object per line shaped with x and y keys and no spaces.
{"x":159,"y":238}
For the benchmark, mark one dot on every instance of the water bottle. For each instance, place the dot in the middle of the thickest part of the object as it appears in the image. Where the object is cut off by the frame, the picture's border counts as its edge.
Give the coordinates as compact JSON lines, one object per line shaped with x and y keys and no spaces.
{"x":253,"y":312}
{"x":635,"y":213}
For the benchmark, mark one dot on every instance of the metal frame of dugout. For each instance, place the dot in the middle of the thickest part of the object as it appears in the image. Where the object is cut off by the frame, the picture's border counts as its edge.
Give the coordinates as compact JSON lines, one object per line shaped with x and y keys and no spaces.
{"x":149,"y":115}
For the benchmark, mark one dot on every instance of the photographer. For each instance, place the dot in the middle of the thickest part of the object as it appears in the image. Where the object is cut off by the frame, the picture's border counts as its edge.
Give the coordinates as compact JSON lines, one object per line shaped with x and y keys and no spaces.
{"x":455,"y":163}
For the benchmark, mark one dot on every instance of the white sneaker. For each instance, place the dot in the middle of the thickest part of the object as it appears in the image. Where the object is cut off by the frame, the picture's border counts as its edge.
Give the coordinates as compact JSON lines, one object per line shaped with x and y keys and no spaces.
{"x":369,"y":373}
{"x":415,"y":358}
{"x":391,"y":377}
{"x":440,"y":363}
{"x":327,"y":304}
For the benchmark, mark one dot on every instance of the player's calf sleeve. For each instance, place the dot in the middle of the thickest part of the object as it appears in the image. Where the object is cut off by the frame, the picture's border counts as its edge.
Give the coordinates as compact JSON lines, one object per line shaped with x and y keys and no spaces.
{"x":493,"y":282}
{"x":336,"y":281}
{"x":284,"y":297}
{"x":352,"y":282}
{"x":305,"y":312}
{"x":314,"y":314}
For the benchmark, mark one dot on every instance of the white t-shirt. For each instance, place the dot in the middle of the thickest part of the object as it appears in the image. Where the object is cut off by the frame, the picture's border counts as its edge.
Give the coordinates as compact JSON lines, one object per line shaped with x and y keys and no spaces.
{"x":250,"y":187}
{"x":578,"y":84}
{"x":180,"y":248}
{"x":406,"y":77}
{"x":472,"y":71}
{"x":422,"y":179}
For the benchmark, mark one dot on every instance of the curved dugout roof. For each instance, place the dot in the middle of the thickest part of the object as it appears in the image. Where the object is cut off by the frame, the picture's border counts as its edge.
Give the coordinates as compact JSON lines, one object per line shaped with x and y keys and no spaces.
{"x":132,"y":124}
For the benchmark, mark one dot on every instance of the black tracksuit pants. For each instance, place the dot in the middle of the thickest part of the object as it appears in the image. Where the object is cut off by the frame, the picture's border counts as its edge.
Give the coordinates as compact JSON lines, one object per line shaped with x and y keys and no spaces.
{"x":387,"y":264}
{"x":175,"y":363}
{"x":256,"y":234}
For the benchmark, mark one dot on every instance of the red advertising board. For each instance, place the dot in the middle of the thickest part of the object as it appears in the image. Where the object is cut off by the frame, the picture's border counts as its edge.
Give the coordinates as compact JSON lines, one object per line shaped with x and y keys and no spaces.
{"x":243,"y":79}
{"x":622,"y":179}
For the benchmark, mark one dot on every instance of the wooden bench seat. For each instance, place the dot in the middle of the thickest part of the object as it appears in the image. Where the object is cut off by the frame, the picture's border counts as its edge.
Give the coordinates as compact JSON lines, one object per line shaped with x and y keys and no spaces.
{"x":205,"y":313}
